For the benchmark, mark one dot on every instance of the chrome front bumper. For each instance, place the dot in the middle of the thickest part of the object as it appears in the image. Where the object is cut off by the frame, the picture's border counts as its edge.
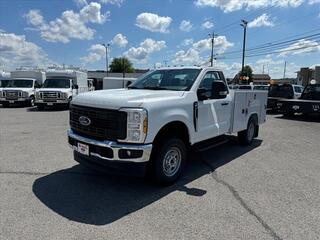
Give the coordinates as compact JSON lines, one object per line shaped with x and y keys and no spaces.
{"x":115,"y":147}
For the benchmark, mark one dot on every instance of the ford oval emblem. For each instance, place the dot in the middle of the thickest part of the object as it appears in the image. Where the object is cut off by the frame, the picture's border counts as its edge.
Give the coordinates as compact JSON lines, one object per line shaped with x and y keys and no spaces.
{"x":85,"y":121}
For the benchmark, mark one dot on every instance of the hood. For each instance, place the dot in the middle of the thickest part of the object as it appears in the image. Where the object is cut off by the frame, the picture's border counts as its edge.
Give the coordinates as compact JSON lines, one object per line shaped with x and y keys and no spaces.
{"x":53,"y":90}
{"x":117,"y":98}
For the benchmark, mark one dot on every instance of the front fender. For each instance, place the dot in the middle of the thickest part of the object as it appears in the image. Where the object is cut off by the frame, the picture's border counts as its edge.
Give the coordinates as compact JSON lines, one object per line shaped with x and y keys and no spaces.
{"x":157,"y":119}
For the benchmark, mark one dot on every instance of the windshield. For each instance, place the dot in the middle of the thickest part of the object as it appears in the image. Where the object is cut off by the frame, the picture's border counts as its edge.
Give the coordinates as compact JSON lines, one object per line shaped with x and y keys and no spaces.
{"x":21,"y":83}
{"x":4,"y":83}
{"x":172,"y":79}
{"x":311,"y":92}
{"x":282,"y":91}
{"x":56,"y":83}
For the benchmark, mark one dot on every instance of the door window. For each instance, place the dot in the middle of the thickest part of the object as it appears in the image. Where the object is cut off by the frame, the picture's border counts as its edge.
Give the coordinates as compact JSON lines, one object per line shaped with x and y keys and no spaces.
{"x":206,"y":83}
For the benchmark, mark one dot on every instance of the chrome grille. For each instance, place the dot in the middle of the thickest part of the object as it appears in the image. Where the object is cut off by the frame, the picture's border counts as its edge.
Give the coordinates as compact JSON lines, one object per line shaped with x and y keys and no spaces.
{"x":12,"y":95}
{"x":49,"y":95}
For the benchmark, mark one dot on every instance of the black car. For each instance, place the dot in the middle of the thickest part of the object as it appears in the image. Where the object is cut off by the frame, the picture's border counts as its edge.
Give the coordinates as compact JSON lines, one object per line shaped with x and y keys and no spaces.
{"x":282,"y":91}
{"x":308,"y":103}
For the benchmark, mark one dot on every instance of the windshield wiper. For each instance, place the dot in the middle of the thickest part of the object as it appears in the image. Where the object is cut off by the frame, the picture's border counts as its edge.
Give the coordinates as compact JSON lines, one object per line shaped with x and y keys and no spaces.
{"x":155,"y":88}
{"x":133,"y":87}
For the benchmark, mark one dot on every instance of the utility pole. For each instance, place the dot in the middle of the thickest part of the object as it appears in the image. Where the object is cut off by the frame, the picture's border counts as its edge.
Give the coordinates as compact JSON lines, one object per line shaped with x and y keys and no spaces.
{"x":212,"y":46}
{"x":284,"y":70}
{"x":107,"y":65}
{"x":244,"y":25}
{"x":263,"y":69}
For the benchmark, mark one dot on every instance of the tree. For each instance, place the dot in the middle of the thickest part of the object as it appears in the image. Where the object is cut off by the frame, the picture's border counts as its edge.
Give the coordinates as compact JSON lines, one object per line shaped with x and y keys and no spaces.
{"x":120,"y":64}
{"x":246,"y":72}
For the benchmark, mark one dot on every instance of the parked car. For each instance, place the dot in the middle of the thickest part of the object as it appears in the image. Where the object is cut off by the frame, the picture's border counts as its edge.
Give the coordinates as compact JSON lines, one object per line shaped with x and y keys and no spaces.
{"x":20,"y":89}
{"x":282,"y":91}
{"x":60,"y":87}
{"x":150,"y":125}
{"x":308,"y":103}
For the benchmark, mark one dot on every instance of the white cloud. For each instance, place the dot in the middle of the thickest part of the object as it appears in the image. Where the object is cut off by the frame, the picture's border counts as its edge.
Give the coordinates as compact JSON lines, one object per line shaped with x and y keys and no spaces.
{"x":147,"y":47}
{"x":311,"y":2}
{"x":92,"y":13}
{"x":120,"y":40}
{"x":234,"y":5}
{"x":153,"y":22}
{"x":114,"y":2}
{"x":301,"y":47}
{"x":96,"y":53}
{"x":207,"y":25}
{"x":261,"y":21}
{"x":16,"y":51}
{"x":69,"y":25}
{"x":185,"y":26}
{"x":81,"y":3}
{"x":221,"y":44}
{"x":189,"y":57}
{"x":186,"y":42}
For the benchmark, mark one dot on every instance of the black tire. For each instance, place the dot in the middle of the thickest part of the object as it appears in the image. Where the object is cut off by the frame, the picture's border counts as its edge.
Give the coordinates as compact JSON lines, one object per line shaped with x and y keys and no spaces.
{"x":169,"y":158}
{"x":288,"y":114}
{"x":246,"y":137}
{"x":40,"y":108}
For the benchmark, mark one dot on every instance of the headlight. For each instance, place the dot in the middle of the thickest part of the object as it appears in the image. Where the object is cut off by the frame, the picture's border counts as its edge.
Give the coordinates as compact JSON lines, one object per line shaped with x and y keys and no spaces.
{"x":137,"y":125}
{"x":24,"y":94}
{"x":38,"y":95}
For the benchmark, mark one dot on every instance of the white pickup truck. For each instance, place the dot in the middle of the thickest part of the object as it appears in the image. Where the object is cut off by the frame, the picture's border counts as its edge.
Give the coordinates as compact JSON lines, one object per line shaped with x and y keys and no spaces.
{"x":150,"y":125}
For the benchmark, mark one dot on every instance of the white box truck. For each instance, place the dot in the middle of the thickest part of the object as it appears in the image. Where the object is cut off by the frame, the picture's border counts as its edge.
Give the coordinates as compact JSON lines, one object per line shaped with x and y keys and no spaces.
{"x":60,"y":87}
{"x":150,"y":125}
{"x":117,"y":82}
{"x":20,"y":89}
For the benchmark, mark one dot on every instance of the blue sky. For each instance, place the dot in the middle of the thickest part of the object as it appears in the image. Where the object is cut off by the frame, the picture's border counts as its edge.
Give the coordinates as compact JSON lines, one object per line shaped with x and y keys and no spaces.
{"x":156,"y":32}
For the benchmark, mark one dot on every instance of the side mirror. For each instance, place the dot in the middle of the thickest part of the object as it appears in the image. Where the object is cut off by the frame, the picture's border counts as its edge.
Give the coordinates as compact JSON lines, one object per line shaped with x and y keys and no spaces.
{"x":128,"y":83}
{"x":201,"y":93}
{"x":219,"y":90}
{"x":75,"y":86}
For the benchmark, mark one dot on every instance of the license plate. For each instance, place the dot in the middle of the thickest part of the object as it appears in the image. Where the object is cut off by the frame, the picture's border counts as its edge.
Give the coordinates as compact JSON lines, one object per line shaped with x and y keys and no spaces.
{"x":83,"y":149}
{"x":50,"y":104}
{"x":11,"y":101}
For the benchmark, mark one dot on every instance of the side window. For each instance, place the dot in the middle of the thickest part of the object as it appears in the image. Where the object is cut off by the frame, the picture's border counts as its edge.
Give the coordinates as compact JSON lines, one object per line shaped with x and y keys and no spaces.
{"x":297,"y":89}
{"x":206,"y":83}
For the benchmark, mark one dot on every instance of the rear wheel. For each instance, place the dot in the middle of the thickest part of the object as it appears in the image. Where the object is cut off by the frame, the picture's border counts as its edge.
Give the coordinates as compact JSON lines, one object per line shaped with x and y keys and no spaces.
{"x":246,"y":136}
{"x":169,"y":158}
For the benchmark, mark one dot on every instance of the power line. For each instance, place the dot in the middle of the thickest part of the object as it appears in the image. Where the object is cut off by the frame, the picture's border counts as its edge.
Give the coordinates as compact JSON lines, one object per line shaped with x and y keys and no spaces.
{"x":275,"y":45}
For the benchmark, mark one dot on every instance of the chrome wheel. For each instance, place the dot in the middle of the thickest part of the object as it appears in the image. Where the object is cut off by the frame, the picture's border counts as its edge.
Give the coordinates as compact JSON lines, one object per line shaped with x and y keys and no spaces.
{"x":171,"y":162}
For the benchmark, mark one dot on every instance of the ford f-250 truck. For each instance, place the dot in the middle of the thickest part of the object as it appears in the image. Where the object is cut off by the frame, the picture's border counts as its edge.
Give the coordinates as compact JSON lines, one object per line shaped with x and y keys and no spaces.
{"x":308,"y":103}
{"x":150,"y":125}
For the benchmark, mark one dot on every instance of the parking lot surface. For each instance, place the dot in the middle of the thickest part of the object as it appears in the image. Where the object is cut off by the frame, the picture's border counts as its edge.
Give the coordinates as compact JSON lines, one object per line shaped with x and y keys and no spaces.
{"x":270,"y":190}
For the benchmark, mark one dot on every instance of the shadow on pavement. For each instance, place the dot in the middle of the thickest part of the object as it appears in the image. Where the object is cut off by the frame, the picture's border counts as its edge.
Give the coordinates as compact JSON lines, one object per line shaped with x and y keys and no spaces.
{"x":52,"y":109}
{"x":301,"y":118}
{"x":84,"y":196}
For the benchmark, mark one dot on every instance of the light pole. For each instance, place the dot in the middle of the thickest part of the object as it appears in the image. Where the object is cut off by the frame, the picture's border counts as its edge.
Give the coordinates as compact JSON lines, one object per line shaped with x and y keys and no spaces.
{"x":212,"y":36}
{"x":107,"y":65}
{"x":244,"y":25}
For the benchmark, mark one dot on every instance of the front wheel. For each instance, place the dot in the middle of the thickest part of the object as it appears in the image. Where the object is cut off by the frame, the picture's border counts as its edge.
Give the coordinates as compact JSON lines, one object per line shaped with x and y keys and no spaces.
{"x":169,"y":160}
{"x":246,"y":136}
{"x":31,"y":102}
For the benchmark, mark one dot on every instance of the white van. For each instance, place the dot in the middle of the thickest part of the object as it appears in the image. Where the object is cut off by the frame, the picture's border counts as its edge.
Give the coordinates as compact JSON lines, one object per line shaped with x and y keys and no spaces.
{"x":20,"y":89}
{"x":60,"y":87}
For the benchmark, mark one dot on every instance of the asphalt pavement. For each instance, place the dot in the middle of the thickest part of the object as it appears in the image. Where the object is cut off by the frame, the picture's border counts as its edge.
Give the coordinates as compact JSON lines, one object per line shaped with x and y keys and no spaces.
{"x":270,"y":190}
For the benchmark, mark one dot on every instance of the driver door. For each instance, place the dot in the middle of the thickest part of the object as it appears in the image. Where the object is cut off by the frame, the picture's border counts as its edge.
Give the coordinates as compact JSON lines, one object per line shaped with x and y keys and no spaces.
{"x":214,"y":113}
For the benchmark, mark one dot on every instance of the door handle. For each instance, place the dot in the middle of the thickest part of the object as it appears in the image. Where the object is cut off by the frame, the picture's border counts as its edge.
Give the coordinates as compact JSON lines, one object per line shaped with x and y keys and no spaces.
{"x":224,"y":103}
